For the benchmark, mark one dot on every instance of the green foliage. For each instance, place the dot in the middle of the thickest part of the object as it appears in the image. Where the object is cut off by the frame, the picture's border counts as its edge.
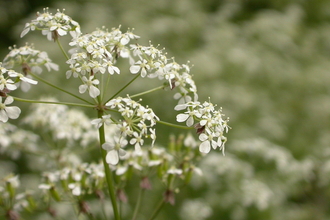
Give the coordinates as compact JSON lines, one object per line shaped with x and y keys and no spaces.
{"x":267,"y":64}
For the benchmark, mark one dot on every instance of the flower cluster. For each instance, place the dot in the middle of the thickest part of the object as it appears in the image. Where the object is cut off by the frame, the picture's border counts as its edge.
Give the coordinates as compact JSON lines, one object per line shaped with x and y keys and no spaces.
{"x":210,"y":125}
{"x":173,"y":165}
{"x":154,"y":64}
{"x":28,"y":59}
{"x":7,"y":85}
{"x":137,"y":124}
{"x":10,"y":200}
{"x":80,"y":180}
{"x":53,"y":26}
{"x":95,"y":53}
{"x":62,"y":123}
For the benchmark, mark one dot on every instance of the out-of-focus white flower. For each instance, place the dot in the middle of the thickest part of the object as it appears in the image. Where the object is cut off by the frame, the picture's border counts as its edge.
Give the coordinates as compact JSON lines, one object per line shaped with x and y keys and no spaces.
{"x":100,"y":121}
{"x":195,"y":210}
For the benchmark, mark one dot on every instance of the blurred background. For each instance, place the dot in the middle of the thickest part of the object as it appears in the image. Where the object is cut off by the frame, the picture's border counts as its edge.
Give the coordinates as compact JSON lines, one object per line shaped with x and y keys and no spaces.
{"x":266,"y":62}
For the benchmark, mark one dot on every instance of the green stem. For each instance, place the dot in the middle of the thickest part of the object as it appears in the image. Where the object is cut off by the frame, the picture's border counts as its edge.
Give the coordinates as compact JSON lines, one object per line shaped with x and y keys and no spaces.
{"x":58,"y":88}
{"x":174,"y":125}
{"x":148,"y":91}
{"x":63,"y":51}
{"x":138,"y":203}
{"x":124,"y":87}
{"x":158,"y":208}
{"x":57,"y":103}
{"x":108,"y":172}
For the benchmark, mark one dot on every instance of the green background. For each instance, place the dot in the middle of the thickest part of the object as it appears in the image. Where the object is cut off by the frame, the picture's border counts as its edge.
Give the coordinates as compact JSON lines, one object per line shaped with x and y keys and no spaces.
{"x":265,"y":62}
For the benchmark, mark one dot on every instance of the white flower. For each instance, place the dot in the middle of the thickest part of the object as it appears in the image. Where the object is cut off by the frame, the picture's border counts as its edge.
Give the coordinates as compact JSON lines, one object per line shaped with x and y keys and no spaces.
{"x":22,"y":77}
{"x":137,"y":141}
{"x":6,"y":112}
{"x":174,"y":170}
{"x":89,"y":84}
{"x":111,"y":68}
{"x":207,"y":141}
{"x":76,"y":189}
{"x":100,"y":121}
{"x":6,"y":83}
{"x":114,"y":149}
{"x":143,"y":66}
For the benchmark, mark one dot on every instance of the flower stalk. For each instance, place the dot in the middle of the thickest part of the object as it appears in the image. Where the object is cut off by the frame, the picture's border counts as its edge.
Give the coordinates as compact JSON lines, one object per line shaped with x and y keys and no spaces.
{"x":107,"y":171}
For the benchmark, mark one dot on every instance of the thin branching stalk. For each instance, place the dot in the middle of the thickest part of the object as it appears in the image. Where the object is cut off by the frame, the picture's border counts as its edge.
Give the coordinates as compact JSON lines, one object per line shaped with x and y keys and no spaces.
{"x":157,"y":209}
{"x":56,"y":103}
{"x":148,"y":91}
{"x":58,"y":88}
{"x":124,"y":87}
{"x":108,"y":172}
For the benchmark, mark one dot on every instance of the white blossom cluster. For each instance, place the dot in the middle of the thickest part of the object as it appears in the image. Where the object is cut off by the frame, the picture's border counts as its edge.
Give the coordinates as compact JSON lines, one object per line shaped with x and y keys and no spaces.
{"x":153,"y":63}
{"x":209,"y":124}
{"x":14,"y":141}
{"x":53,"y":26}
{"x":80,"y":180}
{"x":163,"y":161}
{"x":137,"y":123}
{"x":7,"y":85}
{"x":95,"y":53}
{"x":63,"y":123}
{"x":28,"y":59}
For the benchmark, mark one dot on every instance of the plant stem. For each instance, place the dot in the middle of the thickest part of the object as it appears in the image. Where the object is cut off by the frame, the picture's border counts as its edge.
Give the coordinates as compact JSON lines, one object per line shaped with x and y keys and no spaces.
{"x":58,"y":88}
{"x":138,"y":203}
{"x":63,"y":51}
{"x":108,"y":172}
{"x":56,"y":103}
{"x":174,"y":125}
{"x":124,"y":87}
{"x":158,"y":208}
{"x":148,"y":91}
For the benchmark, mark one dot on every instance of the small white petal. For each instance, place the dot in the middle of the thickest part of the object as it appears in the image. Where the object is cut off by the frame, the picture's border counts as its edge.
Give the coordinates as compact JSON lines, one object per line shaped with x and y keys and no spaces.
{"x":122,"y":152}
{"x":94,"y":92}
{"x":180,"y":107}
{"x":82,"y":88}
{"x":203,"y":137}
{"x":11,"y":87}
{"x":190,"y":121}
{"x":112,"y":157}
{"x":107,"y":146}
{"x":134,"y":69}
{"x":9,"y":100}
{"x":205,"y":147}
{"x":28,"y":80}
{"x":61,"y":32}
{"x":3,"y":116}
{"x":24,"y":32}
{"x":13,"y":112}
{"x":181,"y":117}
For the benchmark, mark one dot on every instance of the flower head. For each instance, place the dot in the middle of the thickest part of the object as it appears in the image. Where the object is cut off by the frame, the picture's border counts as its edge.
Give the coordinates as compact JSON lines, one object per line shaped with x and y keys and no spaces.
{"x":210,"y":125}
{"x":53,"y":26}
{"x":138,"y":121}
